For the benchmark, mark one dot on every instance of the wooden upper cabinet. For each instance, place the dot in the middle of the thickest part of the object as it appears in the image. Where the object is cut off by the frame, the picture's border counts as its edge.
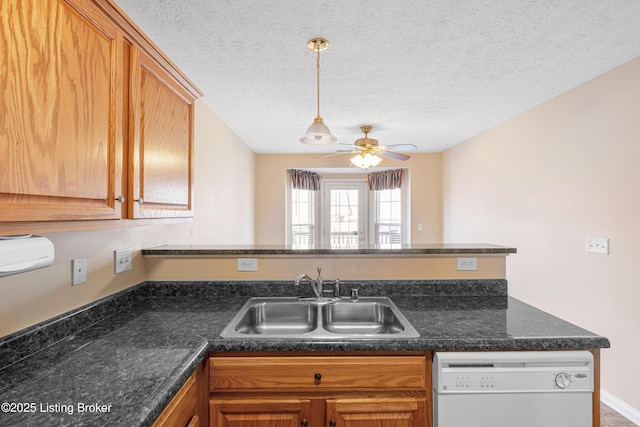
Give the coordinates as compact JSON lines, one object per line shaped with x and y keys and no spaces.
{"x":161,"y":142}
{"x":94,"y":119}
{"x":61,"y":135}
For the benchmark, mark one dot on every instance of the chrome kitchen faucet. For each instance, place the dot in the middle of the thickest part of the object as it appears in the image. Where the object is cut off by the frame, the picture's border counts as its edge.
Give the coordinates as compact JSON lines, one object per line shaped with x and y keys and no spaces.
{"x":317,"y":285}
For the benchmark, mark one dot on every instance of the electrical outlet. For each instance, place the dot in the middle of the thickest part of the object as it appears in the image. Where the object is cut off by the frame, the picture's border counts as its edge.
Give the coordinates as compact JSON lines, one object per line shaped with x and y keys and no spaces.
{"x":78,"y":271}
{"x":122,"y":260}
{"x":467,"y":264}
{"x":247,"y":264}
{"x":598,"y":245}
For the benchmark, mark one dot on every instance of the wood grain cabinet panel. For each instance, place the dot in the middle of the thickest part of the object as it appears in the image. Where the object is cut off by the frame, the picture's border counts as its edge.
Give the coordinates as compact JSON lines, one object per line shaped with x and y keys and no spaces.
{"x":377,"y":412}
{"x":96,"y":123}
{"x":283,"y":412}
{"x":189,"y":407}
{"x":350,"y":391}
{"x":61,"y":138}
{"x":161,"y":149}
{"x":182,"y":410}
{"x":313,"y":373}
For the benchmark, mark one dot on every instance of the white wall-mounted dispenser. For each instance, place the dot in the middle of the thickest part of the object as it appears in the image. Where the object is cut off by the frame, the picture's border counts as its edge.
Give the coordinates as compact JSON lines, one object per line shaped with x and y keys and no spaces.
{"x":19,"y":254}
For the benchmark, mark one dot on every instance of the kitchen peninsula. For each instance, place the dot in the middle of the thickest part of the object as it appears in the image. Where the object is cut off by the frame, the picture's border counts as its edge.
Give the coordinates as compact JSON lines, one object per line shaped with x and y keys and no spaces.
{"x":136,"y":349}
{"x":428,"y":261}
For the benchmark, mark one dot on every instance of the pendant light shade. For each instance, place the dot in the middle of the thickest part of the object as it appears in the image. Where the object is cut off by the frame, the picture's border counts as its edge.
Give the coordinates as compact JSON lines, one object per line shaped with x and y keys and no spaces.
{"x":318,"y":133}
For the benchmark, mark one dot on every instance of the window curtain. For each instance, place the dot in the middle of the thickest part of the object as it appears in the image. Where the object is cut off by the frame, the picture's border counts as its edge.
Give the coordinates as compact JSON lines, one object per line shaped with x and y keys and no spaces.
{"x":385,"y":180}
{"x":304,"y":180}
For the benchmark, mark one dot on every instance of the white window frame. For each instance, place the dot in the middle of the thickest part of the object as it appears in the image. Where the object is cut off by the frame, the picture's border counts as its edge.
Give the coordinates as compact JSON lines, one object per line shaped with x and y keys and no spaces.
{"x":370,"y":199}
{"x":289,"y":215}
{"x":325,"y":206}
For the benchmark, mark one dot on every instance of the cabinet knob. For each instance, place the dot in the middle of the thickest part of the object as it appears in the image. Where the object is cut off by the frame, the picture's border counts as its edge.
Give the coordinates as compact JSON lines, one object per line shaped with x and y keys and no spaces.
{"x":139,"y":200}
{"x":120,"y":199}
{"x":332,"y":423}
{"x":304,"y":423}
{"x":317,"y":377}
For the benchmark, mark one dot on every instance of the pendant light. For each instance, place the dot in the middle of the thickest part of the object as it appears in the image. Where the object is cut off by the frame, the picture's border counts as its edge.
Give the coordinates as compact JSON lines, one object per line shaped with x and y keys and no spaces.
{"x":318,"y":133}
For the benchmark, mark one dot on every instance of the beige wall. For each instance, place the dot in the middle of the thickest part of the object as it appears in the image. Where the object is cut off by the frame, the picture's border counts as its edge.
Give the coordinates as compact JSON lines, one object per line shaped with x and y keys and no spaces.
{"x":345,"y":267}
{"x":270,"y":175}
{"x":223,"y":214}
{"x":543,"y":182}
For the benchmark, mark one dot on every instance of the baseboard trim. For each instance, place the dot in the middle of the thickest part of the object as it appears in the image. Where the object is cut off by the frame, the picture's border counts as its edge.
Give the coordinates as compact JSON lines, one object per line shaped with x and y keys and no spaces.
{"x":620,"y":407}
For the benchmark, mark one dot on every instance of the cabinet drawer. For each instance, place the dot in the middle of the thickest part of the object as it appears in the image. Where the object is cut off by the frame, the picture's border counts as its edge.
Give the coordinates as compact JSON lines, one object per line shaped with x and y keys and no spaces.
{"x":317,"y":373}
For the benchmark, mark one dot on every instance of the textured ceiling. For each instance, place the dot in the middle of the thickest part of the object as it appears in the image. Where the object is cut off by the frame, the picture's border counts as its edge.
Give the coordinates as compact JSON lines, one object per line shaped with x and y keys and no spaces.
{"x":428,"y":72}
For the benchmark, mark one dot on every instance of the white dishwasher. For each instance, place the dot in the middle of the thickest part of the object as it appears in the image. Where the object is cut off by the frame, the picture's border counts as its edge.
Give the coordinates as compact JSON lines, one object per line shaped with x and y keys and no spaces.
{"x":513,"y":389}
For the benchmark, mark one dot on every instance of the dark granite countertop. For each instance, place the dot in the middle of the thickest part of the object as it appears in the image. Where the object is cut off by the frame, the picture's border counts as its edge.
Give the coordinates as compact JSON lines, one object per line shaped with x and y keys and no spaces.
{"x":257,"y":250}
{"x":128,"y":354}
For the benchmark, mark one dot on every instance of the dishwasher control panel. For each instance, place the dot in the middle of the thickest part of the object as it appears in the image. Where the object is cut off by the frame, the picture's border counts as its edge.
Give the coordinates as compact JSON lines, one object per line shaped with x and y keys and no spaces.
{"x":482,"y":372}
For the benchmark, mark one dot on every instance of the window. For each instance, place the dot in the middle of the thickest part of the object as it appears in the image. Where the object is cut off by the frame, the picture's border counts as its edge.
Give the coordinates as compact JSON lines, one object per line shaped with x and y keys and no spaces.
{"x":346,"y":214}
{"x":387,"y":218}
{"x":344,"y":220}
{"x":303,"y":219}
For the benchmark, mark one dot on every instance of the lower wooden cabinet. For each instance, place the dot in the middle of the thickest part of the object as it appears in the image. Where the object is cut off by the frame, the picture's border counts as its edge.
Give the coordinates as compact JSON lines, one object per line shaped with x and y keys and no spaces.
{"x":291,"y":412}
{"x":238,"y":412}
{"x":182,"y":410}
{"x":188,"y":406}
{"x":309,"y":391}
{"x":377,"y":412}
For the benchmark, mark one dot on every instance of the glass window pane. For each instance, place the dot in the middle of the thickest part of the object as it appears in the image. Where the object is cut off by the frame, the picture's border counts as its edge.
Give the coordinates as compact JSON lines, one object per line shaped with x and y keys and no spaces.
{"x":388,"y":218}
{"x":344,"y":219}
{"x":302,"y":219}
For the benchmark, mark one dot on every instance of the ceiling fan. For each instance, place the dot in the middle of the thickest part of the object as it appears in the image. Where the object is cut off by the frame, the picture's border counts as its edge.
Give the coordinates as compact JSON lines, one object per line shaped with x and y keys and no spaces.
{"x":368,"y":151}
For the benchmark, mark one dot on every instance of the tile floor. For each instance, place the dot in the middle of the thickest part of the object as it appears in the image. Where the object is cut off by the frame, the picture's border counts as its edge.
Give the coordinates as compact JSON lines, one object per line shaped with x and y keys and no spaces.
{"x":610,"y":418}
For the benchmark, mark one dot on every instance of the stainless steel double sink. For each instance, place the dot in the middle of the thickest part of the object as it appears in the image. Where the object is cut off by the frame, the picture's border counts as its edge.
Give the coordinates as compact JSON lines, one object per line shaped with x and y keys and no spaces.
{"x":364,"y":318}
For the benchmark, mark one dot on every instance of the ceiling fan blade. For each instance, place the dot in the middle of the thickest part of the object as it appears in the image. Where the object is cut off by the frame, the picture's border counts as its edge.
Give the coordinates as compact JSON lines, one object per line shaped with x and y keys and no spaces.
{"x":339,"y":153}
{"x":392,"y":155}
{"x":353,"y":147}
{"x":401,"y":147}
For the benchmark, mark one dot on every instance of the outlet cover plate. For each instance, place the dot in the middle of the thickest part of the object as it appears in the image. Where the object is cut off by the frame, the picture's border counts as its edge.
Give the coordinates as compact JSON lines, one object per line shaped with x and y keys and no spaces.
{"x":78,"y":271}
{"x":467,"y":264}
{"x":247,"y":264}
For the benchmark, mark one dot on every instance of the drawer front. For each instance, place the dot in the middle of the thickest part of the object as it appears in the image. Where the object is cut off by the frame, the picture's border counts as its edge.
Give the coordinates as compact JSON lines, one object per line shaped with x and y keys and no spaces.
{"x":317,"y":373}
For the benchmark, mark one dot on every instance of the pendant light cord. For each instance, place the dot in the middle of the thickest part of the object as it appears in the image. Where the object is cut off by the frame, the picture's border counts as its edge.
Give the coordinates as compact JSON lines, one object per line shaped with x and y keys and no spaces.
{"x":318,"y":83}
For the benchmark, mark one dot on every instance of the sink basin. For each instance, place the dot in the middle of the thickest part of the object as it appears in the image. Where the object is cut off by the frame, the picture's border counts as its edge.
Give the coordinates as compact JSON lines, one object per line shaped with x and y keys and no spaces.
{"x":367,"y":318}
{"x":278,"y":317}
{"x":363,"y":317}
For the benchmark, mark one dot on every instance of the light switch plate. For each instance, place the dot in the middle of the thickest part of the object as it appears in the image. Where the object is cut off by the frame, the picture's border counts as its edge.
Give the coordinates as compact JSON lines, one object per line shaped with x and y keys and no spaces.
{"x":122,"y":260}
{"x":598,"y":245}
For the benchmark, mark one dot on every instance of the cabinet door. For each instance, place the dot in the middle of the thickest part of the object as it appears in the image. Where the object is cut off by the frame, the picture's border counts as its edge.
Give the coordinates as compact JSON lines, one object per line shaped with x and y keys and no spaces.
{"x":161,"y":153}
{"x":182,"y":410}
{"x":61,"y":119}
{"x":285,"y":412}
{"x":377,"y":412}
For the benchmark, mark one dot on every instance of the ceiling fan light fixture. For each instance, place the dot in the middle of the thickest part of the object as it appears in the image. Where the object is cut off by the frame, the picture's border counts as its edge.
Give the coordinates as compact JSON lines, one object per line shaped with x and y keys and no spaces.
{"x":318,"y":133}
{"x":365,"y":160}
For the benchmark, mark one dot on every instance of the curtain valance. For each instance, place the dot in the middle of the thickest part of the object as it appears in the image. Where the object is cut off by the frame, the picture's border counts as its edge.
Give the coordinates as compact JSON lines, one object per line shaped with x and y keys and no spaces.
{"x":385,"y":180}
{"x":304,"y":180}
